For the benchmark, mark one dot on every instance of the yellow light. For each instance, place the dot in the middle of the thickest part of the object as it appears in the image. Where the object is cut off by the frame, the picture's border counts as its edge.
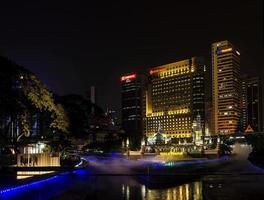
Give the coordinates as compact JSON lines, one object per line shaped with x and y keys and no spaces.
{"x":155,"y":114}
{"x":238,"y":53}
{"x":171,"y":153}
{"x":226,"y":50}
{"x":178,"y":111}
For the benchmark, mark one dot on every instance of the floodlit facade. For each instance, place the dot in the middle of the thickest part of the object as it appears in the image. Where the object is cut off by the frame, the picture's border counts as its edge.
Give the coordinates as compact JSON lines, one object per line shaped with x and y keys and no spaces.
{"x":174,"y":97}
{"x":226,"y":88}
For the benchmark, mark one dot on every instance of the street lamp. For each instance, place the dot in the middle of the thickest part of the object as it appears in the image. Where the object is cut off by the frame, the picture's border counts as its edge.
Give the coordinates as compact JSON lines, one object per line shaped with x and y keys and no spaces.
{"x":127,"y":146}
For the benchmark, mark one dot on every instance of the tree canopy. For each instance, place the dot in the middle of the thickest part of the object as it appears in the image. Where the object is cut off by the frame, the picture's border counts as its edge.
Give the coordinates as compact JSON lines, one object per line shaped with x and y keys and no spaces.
{"x":23,"y":95}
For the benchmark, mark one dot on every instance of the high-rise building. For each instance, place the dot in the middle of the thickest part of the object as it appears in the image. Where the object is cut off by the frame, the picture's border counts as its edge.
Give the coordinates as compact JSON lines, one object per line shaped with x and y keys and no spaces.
{"x":252,"y":107}
{"x":208,"y":100}
{"x":175,"y":97}
{"x":226,"y":88}
{"x":91,"y":95}
{"x":132,"y":107}
{"x":244,"y":121}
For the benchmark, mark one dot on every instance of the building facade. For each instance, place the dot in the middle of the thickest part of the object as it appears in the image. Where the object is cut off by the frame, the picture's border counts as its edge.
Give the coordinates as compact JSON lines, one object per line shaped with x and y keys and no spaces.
{"x":174,"y":97}
{"x":252,"y":107}
{"x":226,"y":88}
{"x":132,"y":92}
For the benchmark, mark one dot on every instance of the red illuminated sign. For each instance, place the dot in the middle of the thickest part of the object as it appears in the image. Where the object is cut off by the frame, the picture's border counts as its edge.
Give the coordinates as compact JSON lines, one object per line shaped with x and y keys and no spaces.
{"x":129,"y":77}
{"x":154,"y":71}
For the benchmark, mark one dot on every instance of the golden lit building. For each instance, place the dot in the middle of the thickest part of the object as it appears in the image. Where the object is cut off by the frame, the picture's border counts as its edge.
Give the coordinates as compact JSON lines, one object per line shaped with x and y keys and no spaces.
{"x":174,"y":97}
{"x":226,"y":88}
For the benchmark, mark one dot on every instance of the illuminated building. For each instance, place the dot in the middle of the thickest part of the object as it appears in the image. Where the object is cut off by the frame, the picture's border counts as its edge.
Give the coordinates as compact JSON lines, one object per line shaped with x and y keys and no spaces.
{"x":132,"y":107}
{"x":174,"y":97}
{"x":226,"y":88}
{"x":252,"y":107}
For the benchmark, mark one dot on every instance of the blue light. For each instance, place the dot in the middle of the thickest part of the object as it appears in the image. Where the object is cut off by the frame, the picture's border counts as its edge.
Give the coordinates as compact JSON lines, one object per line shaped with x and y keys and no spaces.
{"x":218,"y":51}
{"x":186,"y":163}
{"x":256,"y":168}
{"x":82,"y":172}
{"x":45,"y":188}
{"x":26,"y":185}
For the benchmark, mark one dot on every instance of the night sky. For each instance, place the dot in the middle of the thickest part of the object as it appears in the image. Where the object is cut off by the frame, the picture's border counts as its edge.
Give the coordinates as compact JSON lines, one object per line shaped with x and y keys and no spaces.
{"x":72,"y":46}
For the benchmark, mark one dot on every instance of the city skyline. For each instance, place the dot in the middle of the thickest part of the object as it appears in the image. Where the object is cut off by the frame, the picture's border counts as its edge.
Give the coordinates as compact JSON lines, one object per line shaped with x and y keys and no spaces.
{"x":132,"y":101}
{"x":139,"y":39}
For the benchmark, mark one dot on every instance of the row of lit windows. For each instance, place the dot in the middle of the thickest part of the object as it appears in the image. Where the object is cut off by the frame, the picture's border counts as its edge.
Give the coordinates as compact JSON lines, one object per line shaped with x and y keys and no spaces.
{"x":185,"y":98}
{"x":170,"y":128}
{"x":163,"y":105}
{"x":175,"y":87}
{"x":167,"y":117}
{"x":167,"y":90}
{"x":156,"y":123}
{"x":174,"y":72}
{"x":228,"y":113}
{"x":171,"y":82}
{"x":175,"y":81}
{"x":183,"y":133}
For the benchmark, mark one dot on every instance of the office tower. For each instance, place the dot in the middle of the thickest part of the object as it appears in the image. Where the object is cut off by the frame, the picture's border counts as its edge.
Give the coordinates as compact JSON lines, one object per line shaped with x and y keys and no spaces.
{"x":226,"y":87}
{"x":175,"y":97}
{"x":252,"y":107}
{"x":91,"y":95}
{"x":244,"y":121}
{"x":208,"y":100}
{"x":132,"y":107}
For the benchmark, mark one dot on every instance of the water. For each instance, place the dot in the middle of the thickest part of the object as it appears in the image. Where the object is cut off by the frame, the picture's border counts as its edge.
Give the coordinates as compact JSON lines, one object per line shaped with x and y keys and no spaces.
{"x":127,"y":188}
{"x":83,"y":185}
{"x":237,"y":179}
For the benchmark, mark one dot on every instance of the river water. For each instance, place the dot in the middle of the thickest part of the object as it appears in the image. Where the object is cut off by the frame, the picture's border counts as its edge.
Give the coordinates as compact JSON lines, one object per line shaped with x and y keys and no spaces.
{"x":238,"y":179}
{"x":81,"y":185}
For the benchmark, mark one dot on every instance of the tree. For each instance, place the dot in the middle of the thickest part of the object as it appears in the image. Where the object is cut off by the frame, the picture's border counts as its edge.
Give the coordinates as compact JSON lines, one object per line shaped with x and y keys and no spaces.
{"x":23,"y":96}
{"x":61,"y":120}
{"x":257,"y":142}
{"x":80,"y":114}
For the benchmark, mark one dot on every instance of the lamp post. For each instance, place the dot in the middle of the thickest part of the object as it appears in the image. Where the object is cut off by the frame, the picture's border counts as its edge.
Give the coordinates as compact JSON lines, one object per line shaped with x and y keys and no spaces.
{"x":142,"y":146}
{"x":127,"y":146}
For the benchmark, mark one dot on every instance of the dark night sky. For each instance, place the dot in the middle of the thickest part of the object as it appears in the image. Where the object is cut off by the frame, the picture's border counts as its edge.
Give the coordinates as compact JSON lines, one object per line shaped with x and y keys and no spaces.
{"x":72,"y":46}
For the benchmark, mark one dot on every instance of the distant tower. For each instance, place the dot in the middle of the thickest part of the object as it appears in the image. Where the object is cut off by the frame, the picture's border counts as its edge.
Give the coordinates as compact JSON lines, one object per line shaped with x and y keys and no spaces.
{"x":91,"y":95}
{"x":252,"y":114}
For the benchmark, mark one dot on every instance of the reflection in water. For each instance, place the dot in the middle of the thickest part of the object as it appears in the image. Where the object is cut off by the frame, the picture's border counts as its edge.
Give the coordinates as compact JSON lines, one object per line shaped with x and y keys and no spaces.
{"x":190,"y":191}
{"x":29,"y":174}
{"x":183,"y":192}
{"x":81,"y":185}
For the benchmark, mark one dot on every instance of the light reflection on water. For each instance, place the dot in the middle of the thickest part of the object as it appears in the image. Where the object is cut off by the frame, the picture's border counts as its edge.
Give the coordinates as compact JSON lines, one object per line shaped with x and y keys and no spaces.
{"x":128,"y":188}
{"x":29,"y":174}
{"x":190,"y":191}
{"x":81,"y":185}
